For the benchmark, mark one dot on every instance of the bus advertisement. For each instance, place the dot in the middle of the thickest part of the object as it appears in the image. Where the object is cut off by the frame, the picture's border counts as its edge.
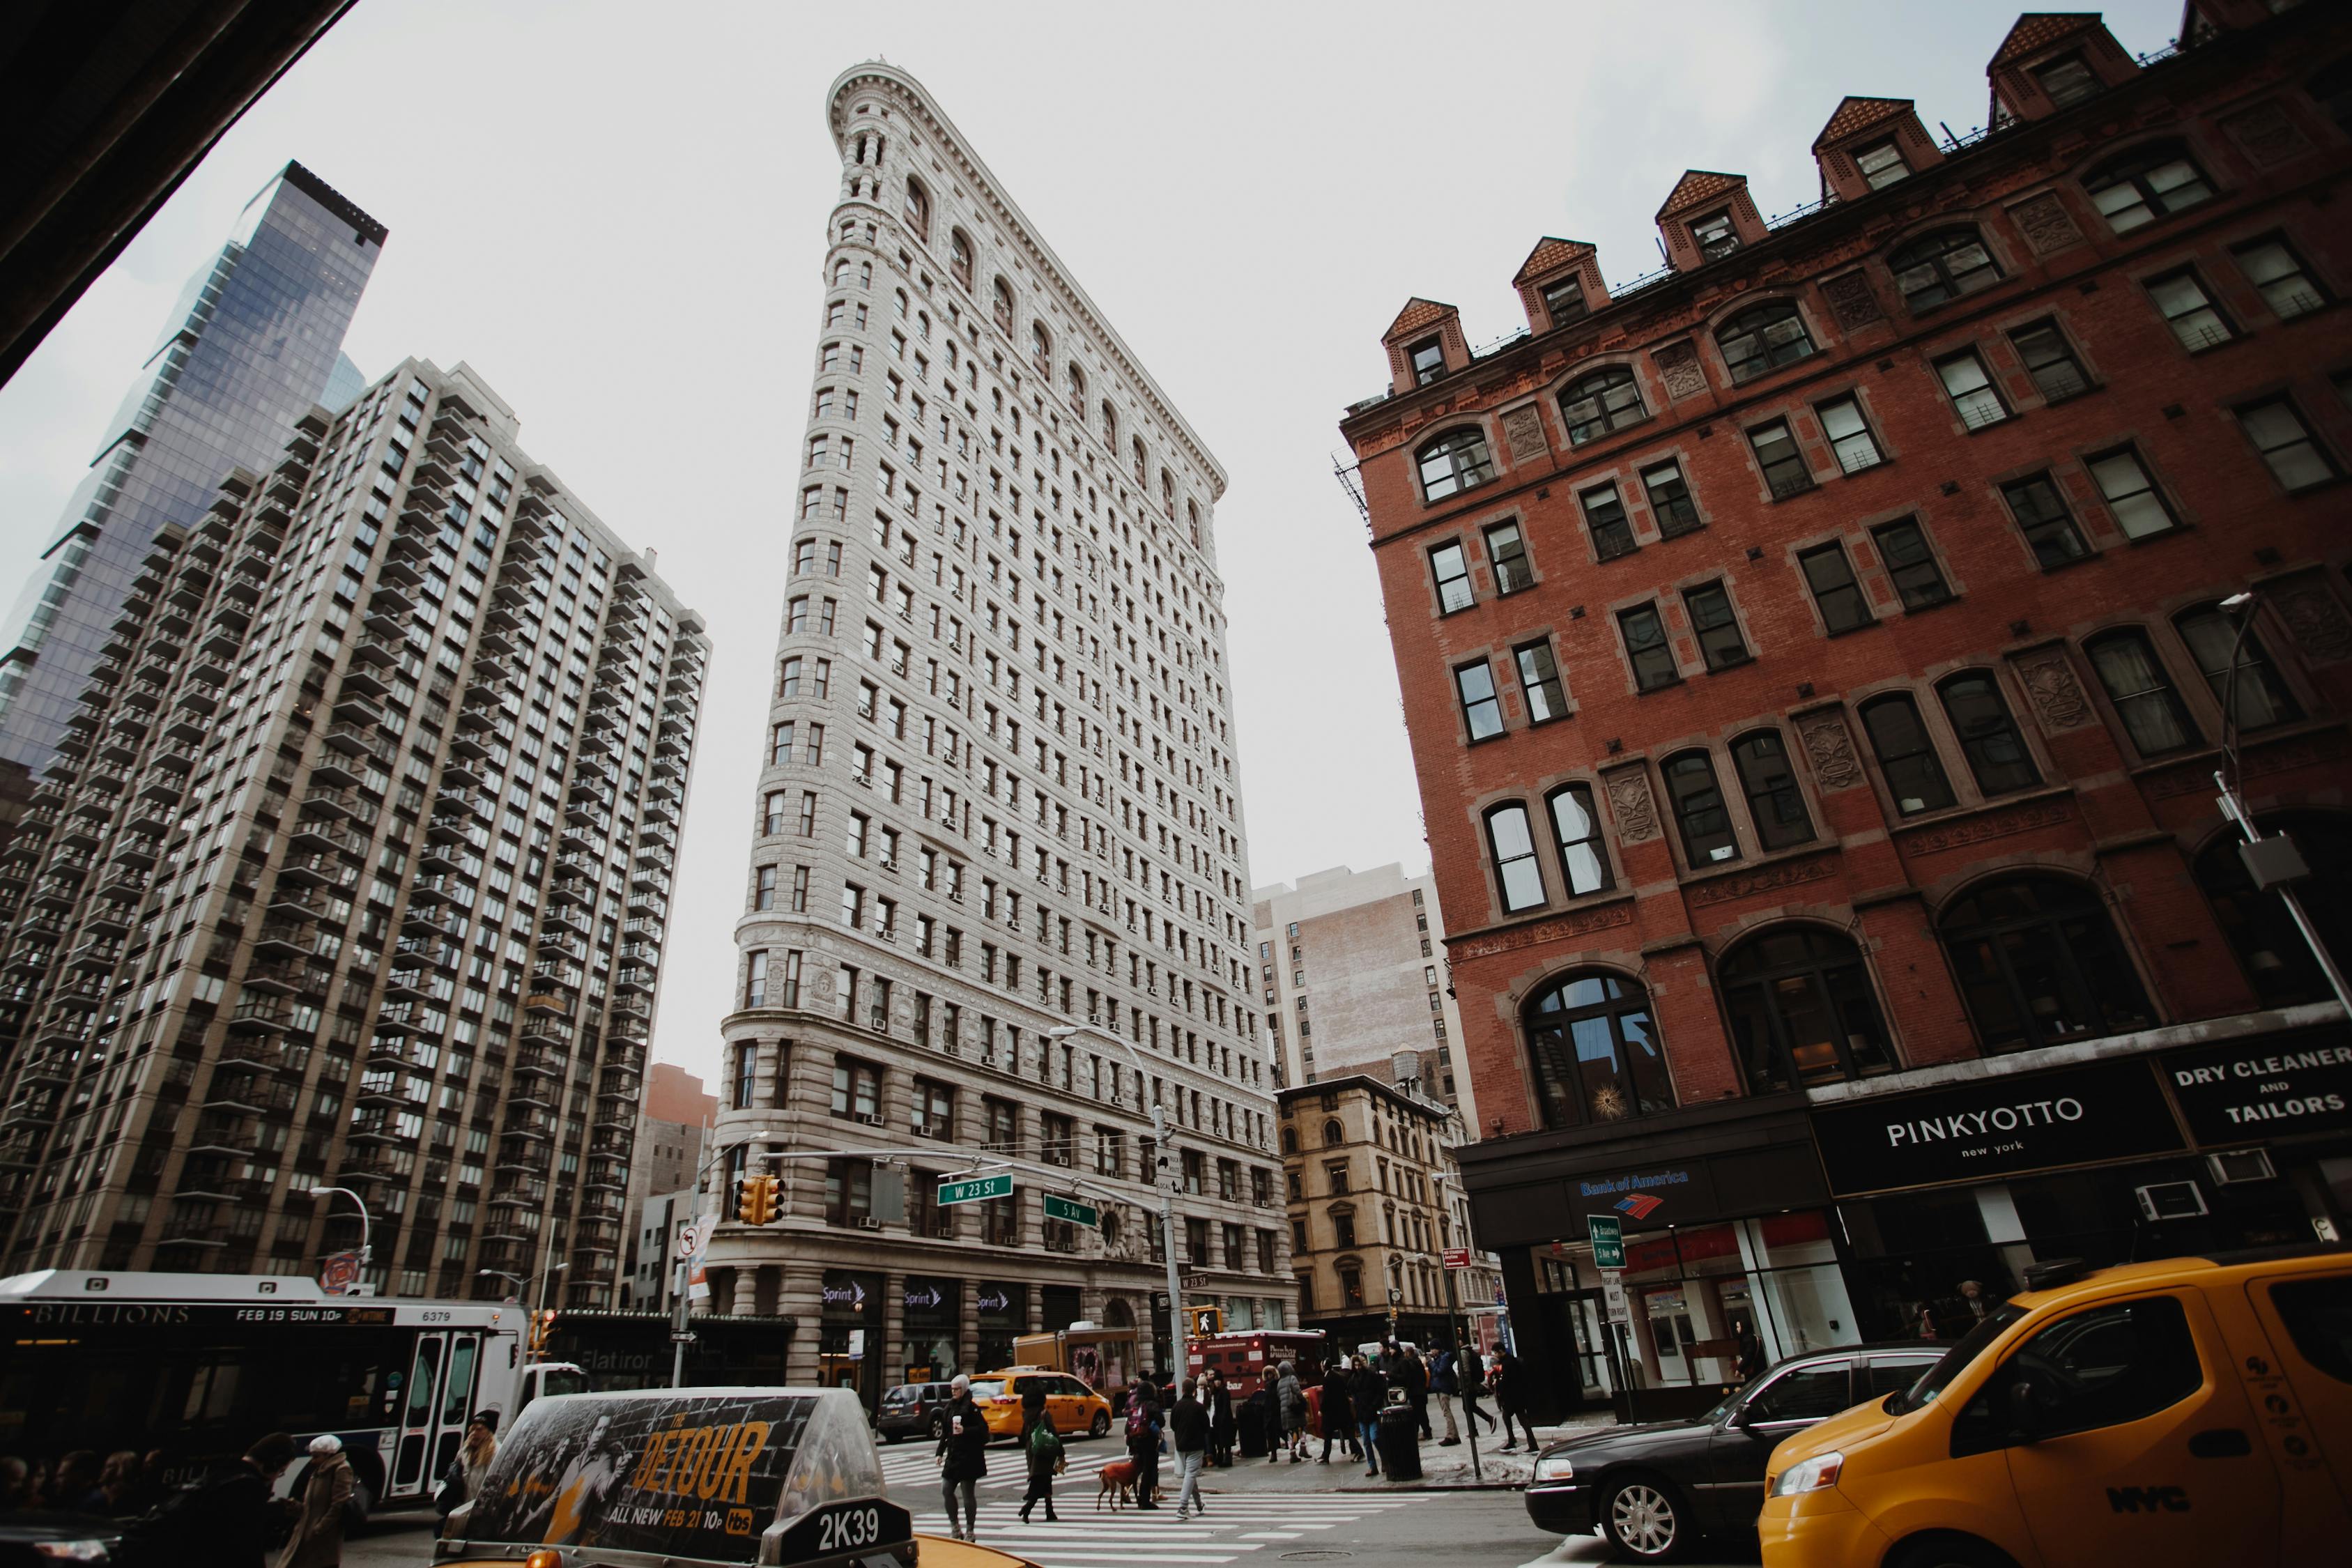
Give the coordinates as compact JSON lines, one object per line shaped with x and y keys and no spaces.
{"x":200,"y":1365}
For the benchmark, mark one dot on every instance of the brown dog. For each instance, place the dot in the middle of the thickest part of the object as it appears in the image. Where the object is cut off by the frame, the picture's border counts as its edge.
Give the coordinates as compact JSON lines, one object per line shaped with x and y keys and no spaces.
{"x":1119,"y":1485}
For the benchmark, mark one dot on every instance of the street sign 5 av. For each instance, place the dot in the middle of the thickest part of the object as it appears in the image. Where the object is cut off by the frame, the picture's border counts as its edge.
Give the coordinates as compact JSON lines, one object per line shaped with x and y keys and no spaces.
{"x":1072,"y":1210}
{"x":976,"y":1189}
{"x":1608,"y":1233}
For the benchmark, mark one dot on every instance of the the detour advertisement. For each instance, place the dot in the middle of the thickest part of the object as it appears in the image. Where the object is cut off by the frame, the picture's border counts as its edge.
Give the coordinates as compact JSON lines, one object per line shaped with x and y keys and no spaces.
{"x":691,"y":1478}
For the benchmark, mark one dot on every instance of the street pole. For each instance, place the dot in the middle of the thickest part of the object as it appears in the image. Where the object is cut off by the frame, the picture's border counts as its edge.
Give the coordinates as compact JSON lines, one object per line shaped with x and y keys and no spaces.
{"x":1176,"y":1336}
{"x":1454,"y":1348}
{"x":357,"y":1202}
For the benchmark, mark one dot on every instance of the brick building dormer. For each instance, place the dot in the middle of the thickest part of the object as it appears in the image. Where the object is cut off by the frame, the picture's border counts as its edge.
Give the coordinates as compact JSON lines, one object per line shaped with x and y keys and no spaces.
{"x":1425,"y":343}
{"x":1560,"y":282}
{"x":1871,"y":143}
{"x":1709,"y":214}
{"x":2053,"y":59}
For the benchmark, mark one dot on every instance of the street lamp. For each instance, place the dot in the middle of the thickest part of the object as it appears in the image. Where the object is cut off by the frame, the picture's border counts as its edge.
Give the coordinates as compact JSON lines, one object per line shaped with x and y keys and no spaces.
{"x":522,"y":1282}
{"x":1176,"y":1336}
{"x":2273,"y":863}
{"x":361,"y":1204}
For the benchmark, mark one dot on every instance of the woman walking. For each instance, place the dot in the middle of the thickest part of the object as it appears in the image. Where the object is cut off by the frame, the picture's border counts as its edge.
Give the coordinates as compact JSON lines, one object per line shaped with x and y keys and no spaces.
{"x":1143,"y":1444}
{"x":1470,"y":1369}
{"x":318,"y":1538}
{"x":1044,"y":1452}
{"x":963,"y":1458}
{"x":1218,"y":1396}
{"x":469,"y":1467}
{"x":1292,"y":1398}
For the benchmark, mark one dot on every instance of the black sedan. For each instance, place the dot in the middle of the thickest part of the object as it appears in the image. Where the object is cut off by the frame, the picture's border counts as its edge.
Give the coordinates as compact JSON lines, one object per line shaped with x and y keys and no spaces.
{"x":1654,"y":1488}
{"x":44,"y":1540}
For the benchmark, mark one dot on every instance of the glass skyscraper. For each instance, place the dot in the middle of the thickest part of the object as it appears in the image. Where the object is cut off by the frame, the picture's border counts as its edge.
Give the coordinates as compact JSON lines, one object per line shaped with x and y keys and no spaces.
{"x":255,"y":339}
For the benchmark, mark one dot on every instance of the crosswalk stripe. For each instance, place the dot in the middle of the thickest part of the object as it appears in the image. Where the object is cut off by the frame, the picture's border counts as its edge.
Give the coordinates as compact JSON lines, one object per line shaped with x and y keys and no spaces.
{"x":1233,"y":1530}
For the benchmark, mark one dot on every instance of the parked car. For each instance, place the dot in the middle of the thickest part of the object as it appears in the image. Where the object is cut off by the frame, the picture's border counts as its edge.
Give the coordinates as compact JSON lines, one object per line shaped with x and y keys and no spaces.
{"x":913,"y":1409}
{"x":1654,"y":1488}
{"x":1071,"y":1405}
{"x":2164,"y":1414}
{"x":41,"y":1540}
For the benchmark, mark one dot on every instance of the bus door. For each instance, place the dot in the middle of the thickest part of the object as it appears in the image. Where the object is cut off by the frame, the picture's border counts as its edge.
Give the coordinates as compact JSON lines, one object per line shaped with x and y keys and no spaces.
{"x":457,"y":1382}
{"x":420,"y":1414}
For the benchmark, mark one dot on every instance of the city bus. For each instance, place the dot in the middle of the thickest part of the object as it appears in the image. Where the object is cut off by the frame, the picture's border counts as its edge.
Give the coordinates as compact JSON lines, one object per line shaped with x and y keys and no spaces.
{"x":199,"y":1365}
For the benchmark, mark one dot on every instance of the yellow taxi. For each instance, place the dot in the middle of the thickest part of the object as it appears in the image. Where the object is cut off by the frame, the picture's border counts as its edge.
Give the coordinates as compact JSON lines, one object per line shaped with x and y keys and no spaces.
{"x":2192,"y":1411}
{"x":1072,"y":1407}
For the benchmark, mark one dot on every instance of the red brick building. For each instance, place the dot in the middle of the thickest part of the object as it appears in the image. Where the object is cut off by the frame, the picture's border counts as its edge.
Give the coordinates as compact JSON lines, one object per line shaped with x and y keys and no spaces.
{"x":1815,"y":656}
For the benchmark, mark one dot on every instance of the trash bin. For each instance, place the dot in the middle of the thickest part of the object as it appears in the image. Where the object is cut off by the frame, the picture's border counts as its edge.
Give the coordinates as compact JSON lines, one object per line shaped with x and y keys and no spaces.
{"x":1399,"y":1440}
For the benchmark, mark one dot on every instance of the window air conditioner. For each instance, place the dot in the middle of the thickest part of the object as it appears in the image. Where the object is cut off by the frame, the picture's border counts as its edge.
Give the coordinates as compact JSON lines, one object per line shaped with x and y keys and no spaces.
{"x":2171,"y":1200}
{"x":868,"y":1222}
{"x":2231,"y":1165}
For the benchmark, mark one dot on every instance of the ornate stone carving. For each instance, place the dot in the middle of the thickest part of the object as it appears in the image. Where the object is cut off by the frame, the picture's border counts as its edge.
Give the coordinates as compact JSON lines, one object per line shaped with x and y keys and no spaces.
{"x":1935,"y":837}
{"x":2320,"y":627}
{"x":2267,"y":133}
{"x":1831,"y":751}
{"x":1786,"y":874}
{"x":1559,"y":928}
{"x":1523,"y":428}
{"x":1678,"y":363}
{"x":1849,"y":297}
{"x":2045,"y":224}
{"x":2058,"y":700}
{"x":1629,"y":805}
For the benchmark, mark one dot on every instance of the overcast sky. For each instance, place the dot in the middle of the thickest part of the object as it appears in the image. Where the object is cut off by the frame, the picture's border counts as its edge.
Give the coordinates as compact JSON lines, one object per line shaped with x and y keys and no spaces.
{"x":615,"y":212}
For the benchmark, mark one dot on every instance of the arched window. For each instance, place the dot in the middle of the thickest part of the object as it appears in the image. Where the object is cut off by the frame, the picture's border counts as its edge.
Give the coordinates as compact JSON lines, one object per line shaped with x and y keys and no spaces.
{"x":1289,"y":1141}
{"x":1605,"y":401}
{"x":1077,"y":381}
{"x":1192,"y":520}
{"x":1801,"y":1009}
{"x":1001,"y":297}
{"x":1898,"y":737}
{"x":1988,"y":735}
{"x":2138,"y":684}
{"x":1576,"y":830}
{"x":1595,"y":1052}
{"x":1455,"y":461}
{"x":1110,"y":426}
{"x":960,"y":258}
{"x":1518,"y":876}
{"x":1333,"y":1133}
{"x":1775,"y":803}
{"x":2276,"y":958}
{"x":2333,"y":90}
{"x":918,"y":209}
{"x":1142,"y":463}
{"x":1942,"y":267}
{"x":2237,"y":668}
{"x":1764,"y":337}
{"x":2038,"y":962}
{"x":2147,"y":184}
{"x":1698,"y":807}
{"x":1041,"y":348}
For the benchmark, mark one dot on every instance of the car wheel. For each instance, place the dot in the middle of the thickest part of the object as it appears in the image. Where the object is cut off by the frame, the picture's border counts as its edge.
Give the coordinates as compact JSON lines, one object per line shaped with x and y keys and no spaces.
{"x":1949,"y":1552}
{"x":1101,"y":1428}
{"x":894,"y":1436}
{"x":939,"y":1427}
{"x":1645,"y":1519}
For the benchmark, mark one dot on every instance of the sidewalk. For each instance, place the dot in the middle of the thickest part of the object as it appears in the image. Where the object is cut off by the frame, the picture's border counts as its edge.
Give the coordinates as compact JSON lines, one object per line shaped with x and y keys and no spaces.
{"x":1442,"y":1468}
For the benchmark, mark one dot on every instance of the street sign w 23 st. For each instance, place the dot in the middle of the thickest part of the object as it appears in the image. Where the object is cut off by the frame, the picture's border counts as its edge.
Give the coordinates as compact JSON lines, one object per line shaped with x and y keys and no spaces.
{"x":976,"y":1189}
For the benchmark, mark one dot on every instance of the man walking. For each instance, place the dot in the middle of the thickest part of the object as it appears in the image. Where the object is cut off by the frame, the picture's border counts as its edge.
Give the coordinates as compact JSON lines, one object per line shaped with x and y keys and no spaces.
{"x":1471,"y":1374}
{"x":1444,"y":1383}
{"x":1511,"y":1394}
{"x":963,"y":1458}
{"x":1412,"y":1374}
{"x":1368,"y":1391}
{"x":1187,"y":1430}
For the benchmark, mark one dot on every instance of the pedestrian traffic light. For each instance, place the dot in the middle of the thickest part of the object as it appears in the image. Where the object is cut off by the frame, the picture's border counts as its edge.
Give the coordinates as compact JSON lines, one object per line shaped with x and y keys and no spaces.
{"x":1207,"y":1322}
{"x":758,"y":1198}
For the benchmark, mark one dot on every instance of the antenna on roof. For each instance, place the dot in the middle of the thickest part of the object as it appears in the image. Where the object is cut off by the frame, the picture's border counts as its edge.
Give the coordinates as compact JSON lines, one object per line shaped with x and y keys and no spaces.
{"x":1949,"y":140}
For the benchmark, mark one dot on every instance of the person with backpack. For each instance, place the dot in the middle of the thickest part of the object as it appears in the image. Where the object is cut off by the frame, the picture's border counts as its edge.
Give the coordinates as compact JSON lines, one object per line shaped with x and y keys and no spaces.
{"x":1442,"y":1384}
{"x":1143,"y":1444}
{"x":1043,"y":1451}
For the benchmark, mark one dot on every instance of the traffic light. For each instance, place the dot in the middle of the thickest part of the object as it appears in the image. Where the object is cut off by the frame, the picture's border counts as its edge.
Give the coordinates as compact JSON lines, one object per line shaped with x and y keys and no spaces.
{"x":1207,"y":1322}
{"x":541,"y":1325}
{"x":756,"y":1199}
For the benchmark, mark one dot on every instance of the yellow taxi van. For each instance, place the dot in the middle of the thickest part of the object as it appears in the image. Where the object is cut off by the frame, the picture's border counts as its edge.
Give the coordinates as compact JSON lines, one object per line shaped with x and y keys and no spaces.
{"x":2191,"y":1411}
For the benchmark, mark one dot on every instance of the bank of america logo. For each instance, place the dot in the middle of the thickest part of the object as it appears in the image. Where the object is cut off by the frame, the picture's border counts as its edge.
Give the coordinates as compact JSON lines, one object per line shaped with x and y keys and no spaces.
{"x":1641,"y":1206}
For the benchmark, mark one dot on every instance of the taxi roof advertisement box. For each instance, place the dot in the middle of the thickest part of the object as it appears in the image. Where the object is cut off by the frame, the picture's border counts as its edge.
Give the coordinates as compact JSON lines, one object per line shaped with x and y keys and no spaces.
{"x":701,"y":1476}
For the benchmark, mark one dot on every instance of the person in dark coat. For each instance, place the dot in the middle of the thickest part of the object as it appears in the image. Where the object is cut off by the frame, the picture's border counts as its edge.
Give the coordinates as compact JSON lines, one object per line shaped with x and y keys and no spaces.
{"x":1042,"y":1449}
{"x":229,"y":1520}
{"x":1412,"y":1374}
{"x":1471,"y":1372}
{"x":1369,"y":1392}
{"x":1143,"y":1445}
{"x":1510,"y":1384}
{"x":1335,"y":1412}
{"x":1187,"y":1434}
{"x":963,"y":1456}
{"x":317,"y":1541}
{"x":1218,"y":1396}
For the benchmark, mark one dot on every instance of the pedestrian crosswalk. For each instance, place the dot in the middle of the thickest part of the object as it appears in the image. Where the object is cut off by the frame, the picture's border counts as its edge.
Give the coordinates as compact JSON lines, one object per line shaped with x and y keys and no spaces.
{"x":1236,"y":1529}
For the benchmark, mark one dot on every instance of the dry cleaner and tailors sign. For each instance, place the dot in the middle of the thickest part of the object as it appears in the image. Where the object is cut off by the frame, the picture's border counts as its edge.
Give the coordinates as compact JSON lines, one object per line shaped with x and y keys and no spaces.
{"x":2226,"y":1096}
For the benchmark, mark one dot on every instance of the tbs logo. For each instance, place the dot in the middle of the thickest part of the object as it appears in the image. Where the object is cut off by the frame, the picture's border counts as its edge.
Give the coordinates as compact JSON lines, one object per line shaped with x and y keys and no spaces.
{"x":1640,"y":1205}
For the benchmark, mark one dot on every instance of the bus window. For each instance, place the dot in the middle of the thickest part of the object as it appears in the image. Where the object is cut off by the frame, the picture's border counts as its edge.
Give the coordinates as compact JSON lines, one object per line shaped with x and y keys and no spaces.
{"x":420,"y":1383}
{"x":564,"y":1380}
{"x":461,"y":1383}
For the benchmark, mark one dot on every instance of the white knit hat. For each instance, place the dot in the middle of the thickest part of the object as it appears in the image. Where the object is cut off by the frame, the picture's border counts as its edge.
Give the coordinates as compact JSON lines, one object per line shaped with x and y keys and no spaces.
{"x":326,"y":1443}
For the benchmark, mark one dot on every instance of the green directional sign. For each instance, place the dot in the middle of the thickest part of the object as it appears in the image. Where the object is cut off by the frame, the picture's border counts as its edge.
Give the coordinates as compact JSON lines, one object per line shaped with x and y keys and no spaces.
{"x":1072,"y":1210}
{"x":976,"y":1190}
{"x":1608,"y":1233}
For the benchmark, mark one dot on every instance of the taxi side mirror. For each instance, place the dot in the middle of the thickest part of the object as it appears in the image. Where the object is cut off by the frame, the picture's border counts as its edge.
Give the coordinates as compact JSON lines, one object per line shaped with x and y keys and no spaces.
{"x":2024,"y":1413}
